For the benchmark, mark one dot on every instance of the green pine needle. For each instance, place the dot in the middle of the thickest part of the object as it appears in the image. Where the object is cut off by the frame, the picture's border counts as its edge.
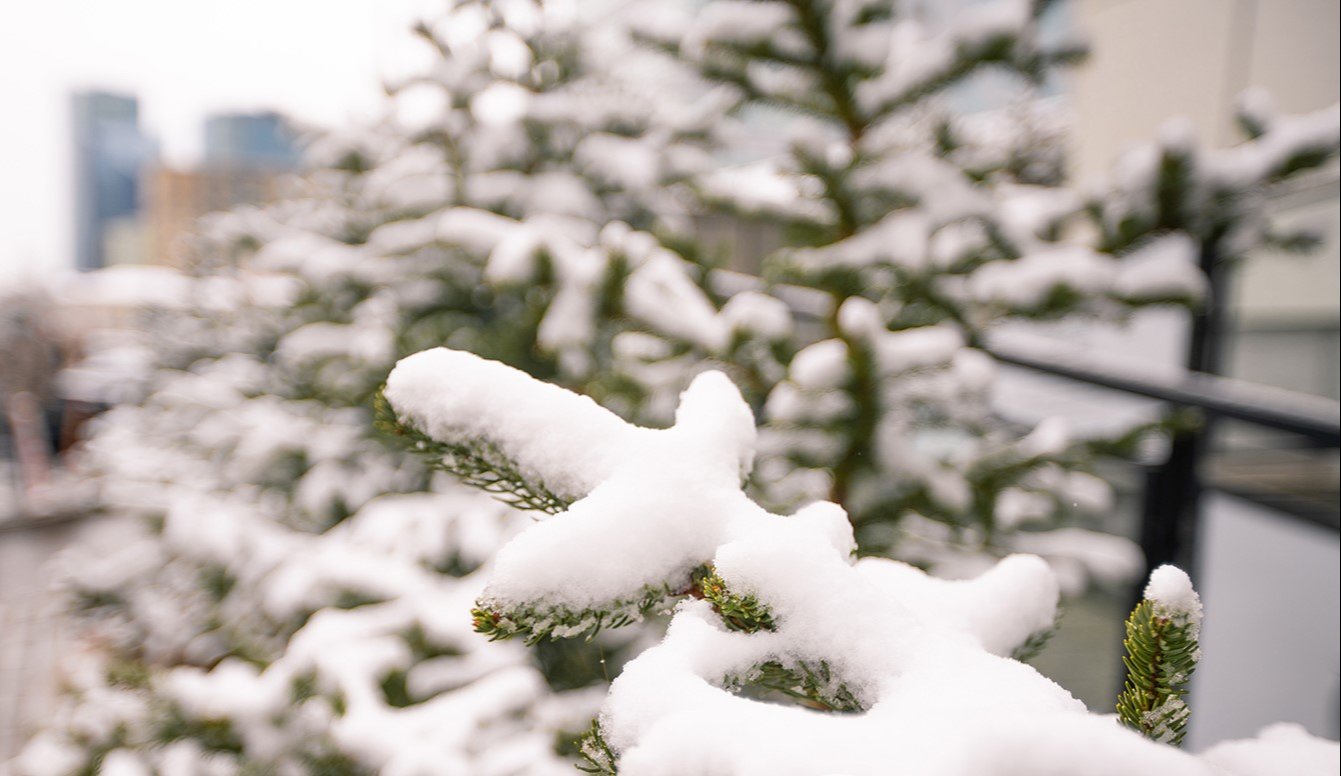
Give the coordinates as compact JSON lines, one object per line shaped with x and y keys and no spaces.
{"x":597,"y":756}
{"x":1162,"y":653}
{"x":1033,"y":646}
{"x":476,"y":463}
{"x":740,"y":612}
{"x":535,"y":622}
{"x":813,"y":684}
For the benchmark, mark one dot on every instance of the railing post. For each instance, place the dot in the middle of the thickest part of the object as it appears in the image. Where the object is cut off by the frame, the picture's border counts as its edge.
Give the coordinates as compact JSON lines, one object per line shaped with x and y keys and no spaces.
{"x":1171,"y":510}
{"x":1170,"y":503}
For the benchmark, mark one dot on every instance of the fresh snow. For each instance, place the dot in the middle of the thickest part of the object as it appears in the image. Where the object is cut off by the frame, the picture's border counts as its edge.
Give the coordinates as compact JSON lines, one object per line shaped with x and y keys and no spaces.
{"x":1171,"y":591}
{"x":927,"y":658}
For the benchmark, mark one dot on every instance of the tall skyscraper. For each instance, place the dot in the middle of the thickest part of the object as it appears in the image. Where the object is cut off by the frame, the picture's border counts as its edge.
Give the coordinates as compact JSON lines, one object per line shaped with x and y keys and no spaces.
{"x":110,"y":152}
{"x":253,"y":140}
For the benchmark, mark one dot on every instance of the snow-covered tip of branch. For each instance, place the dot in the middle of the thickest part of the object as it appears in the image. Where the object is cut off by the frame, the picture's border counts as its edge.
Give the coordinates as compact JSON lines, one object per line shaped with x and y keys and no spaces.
{"x":1170,"y":589}
{"x":1162,"y":653}
{"x":649,"y":507}
{"x":560,"y":439}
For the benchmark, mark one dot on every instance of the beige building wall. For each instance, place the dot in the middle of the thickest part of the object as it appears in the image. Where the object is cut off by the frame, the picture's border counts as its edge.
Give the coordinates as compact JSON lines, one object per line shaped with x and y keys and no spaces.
{"x":175,"y":200}
{"x":1153,"y":59}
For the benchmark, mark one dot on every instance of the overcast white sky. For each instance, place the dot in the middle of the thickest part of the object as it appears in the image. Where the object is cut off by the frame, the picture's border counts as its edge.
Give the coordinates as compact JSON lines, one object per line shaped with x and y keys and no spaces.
{"x":319,"y":60}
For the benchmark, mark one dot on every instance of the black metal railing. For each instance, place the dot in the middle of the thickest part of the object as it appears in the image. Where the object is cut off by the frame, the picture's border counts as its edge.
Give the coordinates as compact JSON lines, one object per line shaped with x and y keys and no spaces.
{"x":1314,"y":418}
{"x":1169,"y":511}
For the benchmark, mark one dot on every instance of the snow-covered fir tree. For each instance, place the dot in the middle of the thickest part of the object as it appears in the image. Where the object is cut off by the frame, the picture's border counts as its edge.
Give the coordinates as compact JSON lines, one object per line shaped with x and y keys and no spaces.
{"x":298,"y":598}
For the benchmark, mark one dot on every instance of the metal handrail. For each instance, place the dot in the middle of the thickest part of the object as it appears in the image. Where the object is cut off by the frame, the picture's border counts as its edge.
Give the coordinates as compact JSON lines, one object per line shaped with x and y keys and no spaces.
{"x":1313,"y":417}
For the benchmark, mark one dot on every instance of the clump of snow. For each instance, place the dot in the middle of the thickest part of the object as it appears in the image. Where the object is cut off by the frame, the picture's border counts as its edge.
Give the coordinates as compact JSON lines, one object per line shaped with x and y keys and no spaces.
{"x":629,"y":162}
{"x":902,"y":351}
{"x":1164,"y":269}
{"x":1050,"y":437}
{"x":1256,"y":107}
{"x":1282,"y":748}
{"x":822,"y":366}
{"x":1170,"y":589}
{"x":585,"y":452}
{"x":741,"y":23}
{"x":581,"y":447}
{"x":920,"y":54}
{"x":760,"y":314}
{"x":48,"y":755}
{"x":128,"y":286}
{"x":762,"y":189}
{"x":661,"y":293}
{"x":900,"y":238}
{"x":1027,"y":282}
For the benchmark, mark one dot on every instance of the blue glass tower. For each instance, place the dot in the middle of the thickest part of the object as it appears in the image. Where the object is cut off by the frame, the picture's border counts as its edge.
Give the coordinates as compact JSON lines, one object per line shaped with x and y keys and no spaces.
{"x":110,"y":153}
{"x":250,"y":140}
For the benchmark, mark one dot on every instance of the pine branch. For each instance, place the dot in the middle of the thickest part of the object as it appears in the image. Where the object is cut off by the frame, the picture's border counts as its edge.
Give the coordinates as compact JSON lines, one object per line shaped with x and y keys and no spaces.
{"x":813,"y":684}
{"x":1162,"y":653}
{"x":535,"y":622}
{"x":476,"y":463}
{"x":837,"y":86}
{"x":214,"y":735}
{"x":740,"y":612}
{"x":1033,"y":646}
{"x":1003,"y":50}
{"x":597,"y":757}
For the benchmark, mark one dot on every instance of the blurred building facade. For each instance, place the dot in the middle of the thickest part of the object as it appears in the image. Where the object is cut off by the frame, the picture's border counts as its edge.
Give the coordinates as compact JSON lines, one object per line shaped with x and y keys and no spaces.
{"x":175,"y":199}
{"x":246,"y":157}
{"x":110,"y":154}
{"x":254,"y":140}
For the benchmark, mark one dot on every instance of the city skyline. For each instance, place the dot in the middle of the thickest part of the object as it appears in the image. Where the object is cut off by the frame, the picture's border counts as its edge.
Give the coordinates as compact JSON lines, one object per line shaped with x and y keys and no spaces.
{"x":131,"y":206}
{"x":323,"y":64}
